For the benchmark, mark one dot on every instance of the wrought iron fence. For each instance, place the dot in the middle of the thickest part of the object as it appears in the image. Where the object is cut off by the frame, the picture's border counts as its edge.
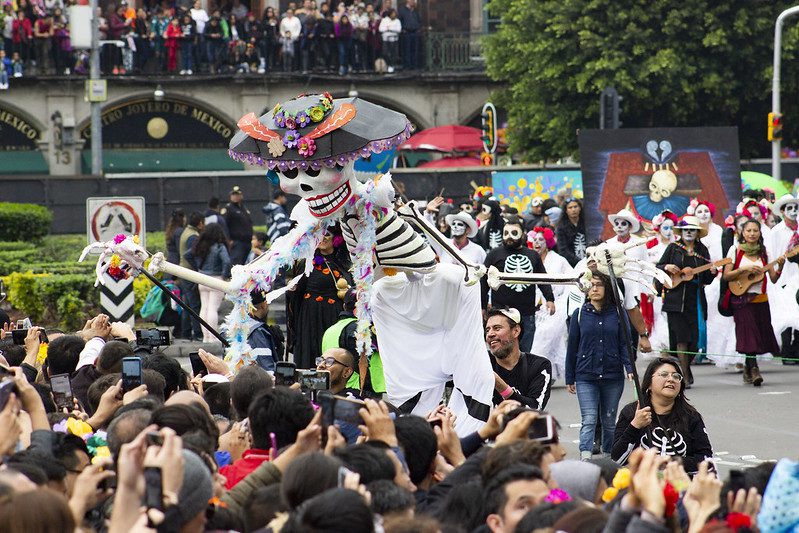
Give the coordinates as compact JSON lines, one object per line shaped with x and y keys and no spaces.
{"x":453,"y":51}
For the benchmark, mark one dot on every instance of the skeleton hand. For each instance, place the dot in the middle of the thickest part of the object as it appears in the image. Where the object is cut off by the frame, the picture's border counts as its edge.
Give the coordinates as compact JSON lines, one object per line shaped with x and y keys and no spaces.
{"x":474,"y":273}
{"x":493,"y":278}
{"x":156,"y":263}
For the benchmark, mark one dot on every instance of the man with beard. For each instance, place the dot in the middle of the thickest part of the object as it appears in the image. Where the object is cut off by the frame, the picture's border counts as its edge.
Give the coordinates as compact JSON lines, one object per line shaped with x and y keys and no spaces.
{"x":491,"y":230}
{"x":518,"y":375}
{"x":515,"y":257}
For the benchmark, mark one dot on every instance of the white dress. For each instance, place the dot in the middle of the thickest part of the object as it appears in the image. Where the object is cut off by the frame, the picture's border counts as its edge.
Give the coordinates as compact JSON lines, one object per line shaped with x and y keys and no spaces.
{"x":720,"y":343}
{"x":782,"y":296}
{"x":659,"y":337}
{"x":550,"y":331}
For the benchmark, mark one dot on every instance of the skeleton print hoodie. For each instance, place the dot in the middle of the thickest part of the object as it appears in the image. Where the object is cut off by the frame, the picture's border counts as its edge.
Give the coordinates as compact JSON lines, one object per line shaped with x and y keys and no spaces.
{"x":516,"y":260}
{"x":685,"y":438}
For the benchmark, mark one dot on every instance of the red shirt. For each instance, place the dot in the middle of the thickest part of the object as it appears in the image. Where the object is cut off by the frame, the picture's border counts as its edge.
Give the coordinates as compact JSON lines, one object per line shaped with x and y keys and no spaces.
{"x":250,"y":460}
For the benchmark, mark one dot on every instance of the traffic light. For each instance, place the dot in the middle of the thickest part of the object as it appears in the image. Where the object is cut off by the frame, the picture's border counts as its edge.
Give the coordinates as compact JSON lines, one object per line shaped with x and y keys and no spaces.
{"x":774,"y":127}
{"x":487,"y":159}
{"x":609,"y":109}
{"x":489,"y":127}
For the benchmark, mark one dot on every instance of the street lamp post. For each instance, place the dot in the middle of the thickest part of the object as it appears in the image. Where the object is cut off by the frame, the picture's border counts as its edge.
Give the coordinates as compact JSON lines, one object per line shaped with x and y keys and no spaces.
{"x":96,"y":106}
{"x":776,"y":144}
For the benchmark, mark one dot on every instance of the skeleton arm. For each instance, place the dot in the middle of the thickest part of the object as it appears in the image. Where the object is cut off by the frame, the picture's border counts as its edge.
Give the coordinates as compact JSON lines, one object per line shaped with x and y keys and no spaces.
{"x":411,"y":213}
{"x":159,"y":264}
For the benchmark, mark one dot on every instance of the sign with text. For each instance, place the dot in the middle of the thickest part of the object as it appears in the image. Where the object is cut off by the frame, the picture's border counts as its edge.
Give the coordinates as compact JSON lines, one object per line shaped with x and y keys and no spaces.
{"x":168,"y":123}
{"x":108,"y":217}
{"x":16,"y":132}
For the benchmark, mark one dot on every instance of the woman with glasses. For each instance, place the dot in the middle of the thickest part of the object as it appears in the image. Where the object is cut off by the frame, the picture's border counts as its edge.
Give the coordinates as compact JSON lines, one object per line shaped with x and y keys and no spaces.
{"x":317,"y":299}
{"x":597,"y":362}
{"x":663,"y":420}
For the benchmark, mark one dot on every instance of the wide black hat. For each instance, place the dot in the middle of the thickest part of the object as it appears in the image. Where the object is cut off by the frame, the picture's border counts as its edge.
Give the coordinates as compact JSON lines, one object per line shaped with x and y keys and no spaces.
{"x":315,"y":130}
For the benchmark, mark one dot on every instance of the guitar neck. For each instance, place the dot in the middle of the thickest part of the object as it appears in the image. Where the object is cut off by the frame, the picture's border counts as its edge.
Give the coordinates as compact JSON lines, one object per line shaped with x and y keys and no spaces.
{"x":708,"y":266}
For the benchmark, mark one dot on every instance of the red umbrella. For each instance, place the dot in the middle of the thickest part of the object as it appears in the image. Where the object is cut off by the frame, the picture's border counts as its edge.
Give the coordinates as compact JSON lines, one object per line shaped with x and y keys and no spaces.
{"x":449,"y":162}
{"x":451,"y":138}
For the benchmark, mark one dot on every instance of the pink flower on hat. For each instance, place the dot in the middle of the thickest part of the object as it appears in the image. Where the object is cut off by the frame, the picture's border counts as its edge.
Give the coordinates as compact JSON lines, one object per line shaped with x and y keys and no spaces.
{"x":306,"y":147}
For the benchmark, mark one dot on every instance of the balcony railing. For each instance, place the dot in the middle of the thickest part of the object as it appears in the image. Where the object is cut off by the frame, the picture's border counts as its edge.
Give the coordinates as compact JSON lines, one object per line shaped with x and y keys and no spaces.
{"x":453,"y":51}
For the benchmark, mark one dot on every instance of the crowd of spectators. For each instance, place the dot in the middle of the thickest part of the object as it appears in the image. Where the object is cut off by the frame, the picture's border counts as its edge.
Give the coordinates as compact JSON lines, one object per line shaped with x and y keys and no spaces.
{"x":310,"y":36}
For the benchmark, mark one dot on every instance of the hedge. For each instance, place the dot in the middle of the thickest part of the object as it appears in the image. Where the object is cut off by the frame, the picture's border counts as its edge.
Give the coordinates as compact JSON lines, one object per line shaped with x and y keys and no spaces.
{"x":65,"y":299}
{"x":24,"y":222}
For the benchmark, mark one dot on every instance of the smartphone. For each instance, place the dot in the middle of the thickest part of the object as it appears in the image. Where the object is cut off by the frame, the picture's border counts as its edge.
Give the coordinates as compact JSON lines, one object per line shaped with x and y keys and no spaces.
{"x":313,"y":379}
{"x":326,"y":403}
{"x":131,"y":373}
{"x":153,"y":488}
{"x":284,"y":374}
{"x":198,"y":368}
{"x":18,"y":336}
{"x":7,"y":386}
{"x":152,"y":337}
{"x":542,"y":428}
{"x":24,"y":323}
{"x":346,"y":410}
{"x":62,"y":391}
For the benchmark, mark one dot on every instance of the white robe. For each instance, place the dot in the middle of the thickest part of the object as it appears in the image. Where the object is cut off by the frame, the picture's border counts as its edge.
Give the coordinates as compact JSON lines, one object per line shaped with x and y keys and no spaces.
{"x":782,"y":296}
{"x":550,"y":331}
{"x":659,"y":336}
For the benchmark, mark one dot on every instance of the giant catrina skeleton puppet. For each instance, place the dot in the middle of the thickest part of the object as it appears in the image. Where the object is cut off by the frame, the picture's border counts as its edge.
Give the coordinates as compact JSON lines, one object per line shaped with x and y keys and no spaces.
{"x":427,"y":315}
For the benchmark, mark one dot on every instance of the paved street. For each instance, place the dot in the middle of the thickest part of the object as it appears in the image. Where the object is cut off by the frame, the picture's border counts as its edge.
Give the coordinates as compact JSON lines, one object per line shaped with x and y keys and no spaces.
{"x":746,"y":425}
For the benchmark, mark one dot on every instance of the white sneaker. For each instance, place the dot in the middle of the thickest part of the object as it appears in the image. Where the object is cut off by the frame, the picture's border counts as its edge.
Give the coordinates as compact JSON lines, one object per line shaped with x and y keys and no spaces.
{"x":67,"y":72}
{"x":189,"y":72}
{"x":261,"y":70}
{"x":3,"y":86}
{"x":390,"y":69}
{"x":182,"y":72}
{"x":18,"y":74}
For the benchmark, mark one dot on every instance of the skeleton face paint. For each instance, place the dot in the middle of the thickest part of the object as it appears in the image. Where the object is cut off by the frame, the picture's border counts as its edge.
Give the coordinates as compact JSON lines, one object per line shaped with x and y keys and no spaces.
{"x":539,"y":242}
{"x":326,"y":190}
{"x":512,"y":235}
{"x":467,"y":208}
{"x":662,"y":184}
{"x":689,"y":235}
{"x":790,"y":211}
{"x":754,"y":212}
{"x":486,"y":210}
{"x":621,"y":227}
{"x":703,"y":214}
{"x":457,"y":228}
{"x":667,"y":229}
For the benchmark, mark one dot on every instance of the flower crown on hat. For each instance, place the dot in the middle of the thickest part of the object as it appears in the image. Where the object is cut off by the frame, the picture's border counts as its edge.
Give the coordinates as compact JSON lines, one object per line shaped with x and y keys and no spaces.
{"x":695,"y":202}
{"x":659,"y":219}
{"x":549,"y":236}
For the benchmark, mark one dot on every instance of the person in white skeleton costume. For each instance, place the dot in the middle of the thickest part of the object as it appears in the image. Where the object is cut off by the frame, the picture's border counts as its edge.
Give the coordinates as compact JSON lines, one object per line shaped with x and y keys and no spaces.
{"x":781,"y":239}
{"x":551,"y":333}
{"x":663,"y":224}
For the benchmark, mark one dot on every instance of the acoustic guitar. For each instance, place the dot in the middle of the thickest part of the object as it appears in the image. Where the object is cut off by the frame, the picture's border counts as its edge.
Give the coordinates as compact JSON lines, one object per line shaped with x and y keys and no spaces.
{"x":746,"y":279}
{"x":688,"y":273}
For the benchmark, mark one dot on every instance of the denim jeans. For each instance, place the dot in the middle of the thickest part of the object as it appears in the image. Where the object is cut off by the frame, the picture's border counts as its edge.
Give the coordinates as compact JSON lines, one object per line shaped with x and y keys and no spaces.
{"x":239,"y":251}
{"x":528,"y":326}
{"x":186,"y":55}
{"x":590,"y":395}
{"x":191,"y":296}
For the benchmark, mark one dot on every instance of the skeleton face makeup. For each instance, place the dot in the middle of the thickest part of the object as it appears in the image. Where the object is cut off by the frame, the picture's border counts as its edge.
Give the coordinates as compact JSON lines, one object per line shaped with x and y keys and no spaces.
{"x":326,"y":190}
{"x":512,"y":235}
{"x":486,"y":210}
{"x":662,"y":184}
{"x":539,"y":242}
{"x":689,"y":235}
{"x":790,"y":210}
{"x":703,"y":214}
{"x":667,"y":229}
{"x":467,"y":208}
{"x":754,"y":212}
{"x":621,"y":227}
{"x":457,"y":228}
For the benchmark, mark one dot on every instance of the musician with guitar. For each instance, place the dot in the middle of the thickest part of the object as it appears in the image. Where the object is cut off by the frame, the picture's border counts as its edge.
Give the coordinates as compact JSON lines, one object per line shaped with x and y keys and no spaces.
{"x":748,"y":298}
{"x":685,"y":304}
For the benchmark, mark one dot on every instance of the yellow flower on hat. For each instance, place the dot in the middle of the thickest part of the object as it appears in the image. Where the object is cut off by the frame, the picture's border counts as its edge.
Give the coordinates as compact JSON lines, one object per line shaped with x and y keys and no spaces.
{"x":136,"y":239}
{"x":78,"y":427}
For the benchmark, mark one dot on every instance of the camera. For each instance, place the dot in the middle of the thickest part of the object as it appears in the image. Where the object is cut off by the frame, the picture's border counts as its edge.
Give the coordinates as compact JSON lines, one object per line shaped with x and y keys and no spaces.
{"x":284,"y":374}
{"x":152,"y":337}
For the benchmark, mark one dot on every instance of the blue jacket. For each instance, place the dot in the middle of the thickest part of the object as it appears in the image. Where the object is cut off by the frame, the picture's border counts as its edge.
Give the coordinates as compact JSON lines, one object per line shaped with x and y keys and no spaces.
{"x":596,"y":348}
{"x":216,"y":263}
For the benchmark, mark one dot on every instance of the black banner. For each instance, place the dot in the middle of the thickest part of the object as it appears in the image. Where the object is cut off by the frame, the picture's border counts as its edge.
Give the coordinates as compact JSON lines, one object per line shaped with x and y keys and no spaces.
{"x":147,"y":123}
{"x":16,"y":133}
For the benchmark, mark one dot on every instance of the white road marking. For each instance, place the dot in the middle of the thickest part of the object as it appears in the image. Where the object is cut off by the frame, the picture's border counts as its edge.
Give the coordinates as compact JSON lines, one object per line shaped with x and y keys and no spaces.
{"x":774,"y":393}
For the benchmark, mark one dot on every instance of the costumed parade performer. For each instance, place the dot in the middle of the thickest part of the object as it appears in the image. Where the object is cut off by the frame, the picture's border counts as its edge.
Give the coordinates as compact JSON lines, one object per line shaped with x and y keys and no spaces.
{"x":663,"y":224}
{"x":550,"y":333}
{"x":782,"y":238}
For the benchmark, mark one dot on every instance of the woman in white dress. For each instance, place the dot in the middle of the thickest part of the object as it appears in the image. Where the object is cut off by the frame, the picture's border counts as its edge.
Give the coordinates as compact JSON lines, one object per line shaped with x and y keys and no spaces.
{"x":720,"y":345}
{"x":550,"y":330}
{"x":663,"y":224}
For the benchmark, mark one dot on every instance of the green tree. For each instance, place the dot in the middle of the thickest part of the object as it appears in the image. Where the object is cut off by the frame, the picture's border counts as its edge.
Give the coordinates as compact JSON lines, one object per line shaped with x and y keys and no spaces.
{"x":699,"y":63}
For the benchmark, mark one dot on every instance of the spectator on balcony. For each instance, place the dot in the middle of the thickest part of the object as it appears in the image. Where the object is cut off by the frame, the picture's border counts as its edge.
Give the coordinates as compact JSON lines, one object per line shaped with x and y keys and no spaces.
{"x":238,"y":10}
{"x":360,"y":23}
{"x":287,"y":51}
{"x":325,"y":37}
{"x":7,"y":18}
{"x":117,"y":27}
{"x":188,"y":36}
{"x":200,"y":18}
{"x":390,"y":28}
{"x":388,"y":5}
{"x":158,"y":26}
{"x":253,"y":35}
{"x":140,"y":31}
{"x":291,"y":24}
{"x":43,"y":37}
{"x":5,"y":69}
{"x":172,"y":37}
{"x":62,"y":48}
{"x":344,"y":31}
{"x":374,"y":41}
{"x":270,"y":37}
{"x":409,"y":38}
{"x":22,"y":36}
{"x":214,"y":43}
{"x":307,"y":43}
